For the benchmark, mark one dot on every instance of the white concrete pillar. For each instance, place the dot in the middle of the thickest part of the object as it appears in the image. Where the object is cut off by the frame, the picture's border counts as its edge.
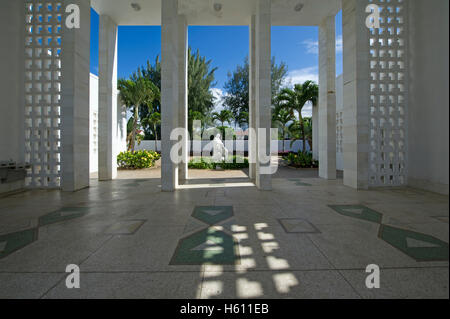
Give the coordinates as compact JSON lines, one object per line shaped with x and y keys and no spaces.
{"x":75,"y":57}
{"x":107,"y":110}
{"x":327,"y":98}
{"x":169,"y":90}
{"x":183,"y":91}
{"x":356,"y":94}
{"x":315,"y":132}
{"x":263,"y":92}
{"x":252,"y":99}
{"x":12,"y":37}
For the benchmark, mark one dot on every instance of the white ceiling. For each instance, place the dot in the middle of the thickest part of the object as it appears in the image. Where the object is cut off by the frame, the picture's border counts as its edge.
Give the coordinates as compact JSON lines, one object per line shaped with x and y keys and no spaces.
{"x":233,"y":12}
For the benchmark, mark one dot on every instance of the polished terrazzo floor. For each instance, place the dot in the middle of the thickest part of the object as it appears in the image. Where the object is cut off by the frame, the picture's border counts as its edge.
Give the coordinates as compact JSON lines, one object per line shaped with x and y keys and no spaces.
{"x":222,"y":238}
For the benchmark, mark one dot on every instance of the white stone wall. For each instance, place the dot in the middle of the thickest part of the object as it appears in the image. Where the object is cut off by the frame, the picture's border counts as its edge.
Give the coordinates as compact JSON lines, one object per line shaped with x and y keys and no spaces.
{"x":121,"y":136}
{"x":428,"y":149}
{"x":93,"y":124}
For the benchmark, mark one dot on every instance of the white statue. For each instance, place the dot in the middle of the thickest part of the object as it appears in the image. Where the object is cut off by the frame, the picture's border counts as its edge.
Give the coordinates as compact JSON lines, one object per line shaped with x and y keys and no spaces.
{"x":220,"y":153}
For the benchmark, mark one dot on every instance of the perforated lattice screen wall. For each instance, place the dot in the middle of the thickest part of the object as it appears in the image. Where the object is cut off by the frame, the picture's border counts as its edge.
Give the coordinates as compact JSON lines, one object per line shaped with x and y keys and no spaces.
{"x":42,"y":92}
{"x":388,"y":93}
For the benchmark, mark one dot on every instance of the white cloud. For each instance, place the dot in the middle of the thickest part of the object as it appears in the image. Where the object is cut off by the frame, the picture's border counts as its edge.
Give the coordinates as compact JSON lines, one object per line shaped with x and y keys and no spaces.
{"x":218,"y":102}
{"x":301,"y":75}
{"x":312,"y":46}
{"x":307,"y":110}
{"x":339,"y":44}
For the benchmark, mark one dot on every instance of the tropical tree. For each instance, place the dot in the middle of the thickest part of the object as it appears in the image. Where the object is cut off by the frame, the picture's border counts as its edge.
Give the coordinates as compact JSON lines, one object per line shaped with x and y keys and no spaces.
{"x":237,"y":86}
{"x":312,"y":91}
{"x":296,"y":132}
{"x":223,"y":116}
{"x":154,"y":119}
{"x":308,"y":130}
{"x":200,"y":80}
{"x":134,"y":93}
{"x":152,"y":72}
{"x":313,"y":94}
{"x":294,"y":100}
{"x":205,"y":119}
{"x":242,"y":119}
{"x":282,"y":116}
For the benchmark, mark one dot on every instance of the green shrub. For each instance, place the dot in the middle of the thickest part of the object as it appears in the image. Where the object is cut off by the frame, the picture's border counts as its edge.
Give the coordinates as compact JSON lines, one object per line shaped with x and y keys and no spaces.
{"x":137,"y":159}
{"x":207,"y":163}
{"x":300,"y":159}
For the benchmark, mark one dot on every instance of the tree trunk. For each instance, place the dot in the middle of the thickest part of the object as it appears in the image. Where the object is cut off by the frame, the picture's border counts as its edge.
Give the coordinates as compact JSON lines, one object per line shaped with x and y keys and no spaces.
{"x":302,"y":129}
{"x":156,"y":138}
{"x":129,"y":141}
{"x":310,"y":143}
{"x":223,"y":132}
{"x":133,"y":132}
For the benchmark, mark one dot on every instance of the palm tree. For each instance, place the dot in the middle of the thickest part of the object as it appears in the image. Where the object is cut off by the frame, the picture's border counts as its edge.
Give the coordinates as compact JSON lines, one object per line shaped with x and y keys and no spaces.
{"x":200,"y":81}
{"x":135,"y":92}
{"x":154,"y":119}
{"x":308,"y":130}
{"x":295,"y":99}
{"x":296,"y":133}
{"x":222,"y":116}
{"x":242,"y":118}
{"x":282,"y":116}
{"x":204,"y":118}
{"x":313,"y":94}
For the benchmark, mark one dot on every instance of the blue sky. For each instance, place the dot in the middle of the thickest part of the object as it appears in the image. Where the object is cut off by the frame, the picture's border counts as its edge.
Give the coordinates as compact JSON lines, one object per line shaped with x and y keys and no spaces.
{"x":226,"y":46}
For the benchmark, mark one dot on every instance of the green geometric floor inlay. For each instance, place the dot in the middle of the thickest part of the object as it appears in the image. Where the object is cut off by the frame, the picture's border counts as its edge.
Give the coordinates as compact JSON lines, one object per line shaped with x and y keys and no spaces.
{"x":134,"y":184}
{"x":298,"y":182}
{"x":419,"y":246}
{"x":212,"y":214}
{"x":62,"y":214}
{"x":358,"y":211}
{"x":208,"y":246}
{"x":9,"y":243}
{"x":12,"y":242}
